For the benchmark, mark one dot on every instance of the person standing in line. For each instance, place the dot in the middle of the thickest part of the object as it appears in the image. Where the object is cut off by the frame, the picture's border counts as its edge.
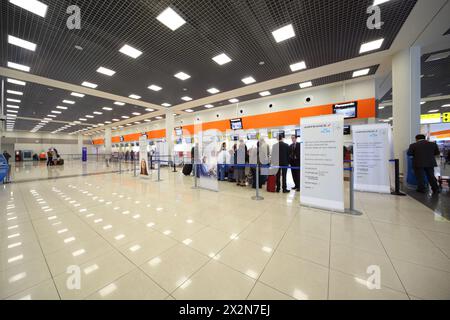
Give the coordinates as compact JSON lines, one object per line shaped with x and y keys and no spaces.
{"x":242,"y":160}
{"x":280,"y":158}
{"x":7,"y":156}
{"x":49,"y":157}
{"x":294,"y":160}
{"x":424,"y":161}
{"x":223,"y":159}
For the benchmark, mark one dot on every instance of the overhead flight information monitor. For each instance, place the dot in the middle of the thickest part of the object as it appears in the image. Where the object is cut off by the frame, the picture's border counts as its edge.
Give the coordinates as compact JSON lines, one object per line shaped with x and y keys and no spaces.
{"x":348,"y":110}
{"x":236,"y":124}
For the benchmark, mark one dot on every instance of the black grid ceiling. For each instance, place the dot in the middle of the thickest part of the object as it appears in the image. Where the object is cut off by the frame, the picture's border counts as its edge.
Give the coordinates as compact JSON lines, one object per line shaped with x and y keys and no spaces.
{"x":386,"y":113}
{"x":327,"y":32}
{"x":295,"y":87}
{"x":38,"y":101}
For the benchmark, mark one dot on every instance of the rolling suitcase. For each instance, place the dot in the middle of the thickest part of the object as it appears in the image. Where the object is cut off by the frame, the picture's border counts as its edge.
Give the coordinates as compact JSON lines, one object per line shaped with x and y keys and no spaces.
{"x":271,"y":184}
{"x":187,"y":169}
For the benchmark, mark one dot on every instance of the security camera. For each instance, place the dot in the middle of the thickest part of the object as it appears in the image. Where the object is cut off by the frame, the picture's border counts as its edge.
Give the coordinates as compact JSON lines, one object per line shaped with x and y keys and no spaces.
{"x":308,"y":99}
{"x":270,"y":105}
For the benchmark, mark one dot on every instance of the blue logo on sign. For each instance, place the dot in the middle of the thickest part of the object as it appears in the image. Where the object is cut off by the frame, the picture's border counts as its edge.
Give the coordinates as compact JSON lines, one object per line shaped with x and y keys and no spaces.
{"x":325,"y":130}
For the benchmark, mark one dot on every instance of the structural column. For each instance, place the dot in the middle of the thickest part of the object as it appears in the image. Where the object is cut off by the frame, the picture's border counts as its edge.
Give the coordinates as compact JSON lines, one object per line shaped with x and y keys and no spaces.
{"x":406,"y":91}
{"x":108,"y":143}
{"x":80,"y":144}
{"x":169,"y":133}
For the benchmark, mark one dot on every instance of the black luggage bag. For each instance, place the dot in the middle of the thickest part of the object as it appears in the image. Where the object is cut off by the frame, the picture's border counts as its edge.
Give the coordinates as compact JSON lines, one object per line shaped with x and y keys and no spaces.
{"x":187,"y":169}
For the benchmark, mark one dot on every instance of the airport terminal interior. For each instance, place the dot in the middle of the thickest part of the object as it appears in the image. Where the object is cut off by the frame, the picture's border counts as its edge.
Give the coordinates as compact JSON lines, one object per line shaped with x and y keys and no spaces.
{"x":224,"y":150}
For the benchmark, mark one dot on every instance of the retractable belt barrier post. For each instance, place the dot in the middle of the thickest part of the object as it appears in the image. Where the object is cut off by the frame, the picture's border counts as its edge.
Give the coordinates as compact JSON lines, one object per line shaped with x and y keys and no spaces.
{"x":134,"y":167}
{"x":159,"y":171}
{"x":397,"y":191}
{"x":352,"y":209}
{"x":257,"y":197}
{"x":194,"y":169}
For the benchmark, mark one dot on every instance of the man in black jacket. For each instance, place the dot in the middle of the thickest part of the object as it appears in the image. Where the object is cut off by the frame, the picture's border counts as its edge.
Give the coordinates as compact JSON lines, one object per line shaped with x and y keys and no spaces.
{"x":424,"y":160}
{"x":280,"y":157}
{"x":294,"y":159}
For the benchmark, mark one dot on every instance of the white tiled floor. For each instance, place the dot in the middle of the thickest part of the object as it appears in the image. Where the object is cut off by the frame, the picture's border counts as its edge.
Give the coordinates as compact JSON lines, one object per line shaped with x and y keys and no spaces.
{"x":142,"y":239}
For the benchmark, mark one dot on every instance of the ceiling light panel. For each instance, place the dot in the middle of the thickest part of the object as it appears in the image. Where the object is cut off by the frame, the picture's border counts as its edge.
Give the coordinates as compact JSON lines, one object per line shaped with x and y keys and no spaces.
{"x":134,"y":96}
{"x":106,"y":71}
{"x":213,"y":90}
{"x":265,"y":93}
{"x":155,"y":87}
{"x":33,"y":6}
{"x":18,"y":82}
{"x":18,"y":66}
{"x":89,"y":85}
{"x":222,"y":59}
{"x":130,"y":51}
{"x":371,"y":46}
{"x":171,"y":19}
{"x":79,"y":95}
{"x":21,"y":43}
{"x":360,"y":73}
{"x":186,"y":98}
{"x":248,"y":80}
{"x":182,"y":76}
{"x":298,"y":66}
{"x":306,"y":84}
{"x":284,"y":33}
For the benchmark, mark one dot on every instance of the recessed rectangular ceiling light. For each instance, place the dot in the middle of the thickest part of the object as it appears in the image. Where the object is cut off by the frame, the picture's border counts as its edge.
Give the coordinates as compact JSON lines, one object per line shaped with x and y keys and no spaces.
{"x":136,"y":114}
{"x":159,"y":117}
{"x":438,"y":56}
{"x":222,"y":59}
{"x":17,"y":66}
{"x":89,"y":116}
{"x":18,"y":82}
{"x":115,"y":120}
{"x":12,"y":106}
{"x":51,"y":116}
{"x":370,"y":46}
{"x":12,"y":111}
{"x":248,"y":80}
{"x":96,"y":112}
{"x":48,"y":119}
{"x":106,"y":71}
{"x":61,"y":108}
{"x":298,"y":66}
{"x":82,"y":119}
{"x":284,"y":33}
{"x":108,"y":122}
{"x":154,"y":87}
{"x":234,"y":100}
{"x":171,"y":19}
{"x":134,"y":96}
{"x":445,"y":106}
{"x":189,"y":110}
{"x":186,"y":98}
{"x":148,"y":120}
{"x":17,"y":93}
{"x":165,"y":104}
{"x":69,"y":101}
{"x":213,"y":90}
{"x":265,"y":93}
{"x":89,"y":85}
{"x":56,"y":112}
{"x":33,"y":6}
{"x":130,"y":51}
{"x":360,"y":73}
{"x":13,"y":100}
{"x":149,"y":110}
{"x":75,"y":94}
{"x":306,"y":84}
{"x":125,"y":117}
{"x":117,"y":103}
{"x":182,"y":76}
{"x":378,"y":2}
{"x":107,"y":108}
{"x":209,"y":106}
{"x":433,"y":111}
{"x":21,"y":43}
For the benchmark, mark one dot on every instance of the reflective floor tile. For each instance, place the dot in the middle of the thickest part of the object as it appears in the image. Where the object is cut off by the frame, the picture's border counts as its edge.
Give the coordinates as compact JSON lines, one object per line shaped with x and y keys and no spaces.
{"x":173,"y":267}
{"x":296,"y":277}
{"x":213,"y":282}
{"x":132,"y":286}
{"x":306,"y":247}
{"x":43,"y":291}
{"x":264,"y":292}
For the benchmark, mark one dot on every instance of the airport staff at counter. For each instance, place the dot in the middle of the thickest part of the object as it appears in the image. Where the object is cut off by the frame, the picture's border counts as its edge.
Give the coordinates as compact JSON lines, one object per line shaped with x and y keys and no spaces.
{"x":424,"y":161}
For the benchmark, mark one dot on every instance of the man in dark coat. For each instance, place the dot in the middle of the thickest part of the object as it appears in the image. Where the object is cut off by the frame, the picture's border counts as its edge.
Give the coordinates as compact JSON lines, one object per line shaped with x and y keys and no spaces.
{"x":424,"y":161}
{"x":294,"y":160}
{"x":280,"y":158}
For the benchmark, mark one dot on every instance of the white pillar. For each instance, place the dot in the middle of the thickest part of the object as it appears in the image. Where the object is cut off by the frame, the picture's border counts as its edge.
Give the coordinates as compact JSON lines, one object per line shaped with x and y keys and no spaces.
{"x":108,"y":143}
{"x":169,"y":132}
{"x":80,"y":144}
{"x":406,"y":91}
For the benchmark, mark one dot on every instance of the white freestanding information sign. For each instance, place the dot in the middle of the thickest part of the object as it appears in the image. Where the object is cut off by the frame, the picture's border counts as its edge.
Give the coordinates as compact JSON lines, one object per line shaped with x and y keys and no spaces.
{"x":371,"y":154}
{"x":143,"y":156}
{"x":322,"y":169}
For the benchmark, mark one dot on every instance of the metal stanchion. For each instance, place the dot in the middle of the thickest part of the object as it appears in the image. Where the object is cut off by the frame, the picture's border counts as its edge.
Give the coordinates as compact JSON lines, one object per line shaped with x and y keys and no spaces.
{"x":352,"y":209}
{"x":194,"y":168}
{"x":257,"y":197}
{"x":134,"y":167}
{"x":120,"y":166}
{"x":159,"y":171}
{"x":397,"y":191}
{"x":174,"y":166}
